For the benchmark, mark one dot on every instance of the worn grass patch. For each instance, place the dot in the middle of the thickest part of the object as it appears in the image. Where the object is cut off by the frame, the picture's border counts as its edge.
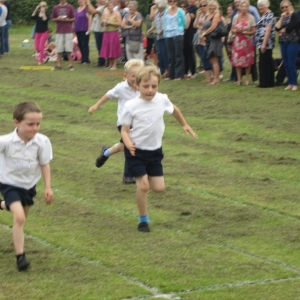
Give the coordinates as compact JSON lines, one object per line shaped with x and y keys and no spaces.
{"x":226,"y":227}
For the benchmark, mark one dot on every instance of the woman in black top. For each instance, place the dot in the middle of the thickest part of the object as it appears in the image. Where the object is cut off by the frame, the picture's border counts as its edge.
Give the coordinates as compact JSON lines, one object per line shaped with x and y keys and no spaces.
{"x":41,"y":30}
{"x":188,"y":47}
{"x":289,"y":42}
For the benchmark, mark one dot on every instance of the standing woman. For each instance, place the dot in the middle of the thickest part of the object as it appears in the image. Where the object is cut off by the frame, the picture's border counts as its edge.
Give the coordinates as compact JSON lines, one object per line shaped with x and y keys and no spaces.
{"x":41,"y":30}
{"x":158,"y":14}
{"x":188,"y":47}
{"x":174,"y":26}
{"x":82,"y":27}
{"x":265,"y":42}
{"x":243,"y":26}
{"x":289,"y":42}
{"x":132,"y":22}
{"x":201,"y":47}
{"x":111,"y":45}
{"x":214,"y":46}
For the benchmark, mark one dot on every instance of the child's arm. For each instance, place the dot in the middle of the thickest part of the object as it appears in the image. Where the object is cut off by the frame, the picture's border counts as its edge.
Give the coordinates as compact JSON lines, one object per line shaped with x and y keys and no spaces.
{"x":179,"y":117}
{"x":98,"y":104}
{"x":126,"y":139}
{"x":47,"y":181}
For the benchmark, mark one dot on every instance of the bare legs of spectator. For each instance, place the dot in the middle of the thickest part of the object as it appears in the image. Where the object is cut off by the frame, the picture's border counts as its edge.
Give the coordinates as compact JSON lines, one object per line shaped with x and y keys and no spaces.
{"x":216,"y":69}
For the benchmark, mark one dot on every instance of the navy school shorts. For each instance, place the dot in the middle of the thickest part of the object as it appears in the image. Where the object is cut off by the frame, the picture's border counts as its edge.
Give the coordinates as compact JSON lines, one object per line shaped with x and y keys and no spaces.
{"x":12,"y":194}
{"x":144,"y":162}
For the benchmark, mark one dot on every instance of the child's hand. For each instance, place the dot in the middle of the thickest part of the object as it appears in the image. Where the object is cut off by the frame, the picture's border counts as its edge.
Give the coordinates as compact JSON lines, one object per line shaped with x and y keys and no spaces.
{"x":187,"y":129}
{"x":92,"y":109}
{"x":48,"y":195}
{"x":131,"y":149}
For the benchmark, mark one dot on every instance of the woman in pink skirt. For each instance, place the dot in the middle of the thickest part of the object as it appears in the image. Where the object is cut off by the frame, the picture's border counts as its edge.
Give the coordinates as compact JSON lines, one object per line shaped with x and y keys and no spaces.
{"x":111,"y":45}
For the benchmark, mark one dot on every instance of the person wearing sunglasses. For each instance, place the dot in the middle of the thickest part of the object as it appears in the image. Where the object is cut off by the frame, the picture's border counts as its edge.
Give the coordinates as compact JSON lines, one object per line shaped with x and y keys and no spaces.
{"x":175,"y":22}
{"x":288,"y":28}
{"x":41,"y":16}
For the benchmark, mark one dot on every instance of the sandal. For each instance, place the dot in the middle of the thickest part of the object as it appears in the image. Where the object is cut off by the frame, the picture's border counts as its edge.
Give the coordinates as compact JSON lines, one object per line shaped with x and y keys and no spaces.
{"x":165,"y":75}
{"x":237,"y":83}
{"x":246,"y":83}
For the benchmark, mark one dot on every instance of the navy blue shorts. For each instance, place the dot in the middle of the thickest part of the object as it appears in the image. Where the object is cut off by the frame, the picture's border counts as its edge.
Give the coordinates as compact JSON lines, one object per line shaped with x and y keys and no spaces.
{"x":145,"y":162}
{"x":119,"y":128}
{"x":12,"y":194}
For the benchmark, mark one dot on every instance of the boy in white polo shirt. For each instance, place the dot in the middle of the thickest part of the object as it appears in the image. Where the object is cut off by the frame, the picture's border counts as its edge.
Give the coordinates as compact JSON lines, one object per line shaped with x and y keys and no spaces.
{"x":142,"y":131}
{"x":123,"y":91}
{"x":25,"y":154}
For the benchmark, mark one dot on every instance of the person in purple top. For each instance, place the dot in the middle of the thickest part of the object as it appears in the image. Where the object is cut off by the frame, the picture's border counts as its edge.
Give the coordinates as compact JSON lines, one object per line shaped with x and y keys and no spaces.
{"x":82,"y":27}
{"x":64,"y":15}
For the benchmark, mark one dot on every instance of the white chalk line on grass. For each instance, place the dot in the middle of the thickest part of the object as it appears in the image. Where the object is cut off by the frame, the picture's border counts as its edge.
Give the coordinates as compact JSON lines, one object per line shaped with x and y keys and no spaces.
{"x":221,"y":245}
{"x":231,"y":200}
{"x":153,"y":290}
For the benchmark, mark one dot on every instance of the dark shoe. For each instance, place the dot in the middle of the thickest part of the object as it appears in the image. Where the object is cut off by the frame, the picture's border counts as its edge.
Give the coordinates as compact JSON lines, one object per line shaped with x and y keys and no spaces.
{"x":128,"y":180}
{"x":22,"y":263}
{"x":143,"y":227}
{"x":56,"y":68}
{"x":100,"y":161}
{"x":1,"y":204}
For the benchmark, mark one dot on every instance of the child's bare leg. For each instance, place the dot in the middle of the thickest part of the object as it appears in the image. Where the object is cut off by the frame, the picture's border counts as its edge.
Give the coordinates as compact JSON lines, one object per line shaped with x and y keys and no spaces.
{"x":157,"y":183}
{"x":118,"y":147}
{"x":19,"y":214}
{"x":142,"y":189}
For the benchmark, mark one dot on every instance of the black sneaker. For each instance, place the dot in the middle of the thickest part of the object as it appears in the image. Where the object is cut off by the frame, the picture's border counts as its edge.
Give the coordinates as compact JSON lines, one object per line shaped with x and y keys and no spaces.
{"x":22,"y":263}
{"x":128,"y":180}
{"x":144,"y":227}
{"x":100,"y":161}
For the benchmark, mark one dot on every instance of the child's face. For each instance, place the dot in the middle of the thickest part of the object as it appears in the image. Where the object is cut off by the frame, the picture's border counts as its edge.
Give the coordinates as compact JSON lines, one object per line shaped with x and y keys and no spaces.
{"x":130,"y":76}
{"x":148,"y":88}
{"x":29,"y":126}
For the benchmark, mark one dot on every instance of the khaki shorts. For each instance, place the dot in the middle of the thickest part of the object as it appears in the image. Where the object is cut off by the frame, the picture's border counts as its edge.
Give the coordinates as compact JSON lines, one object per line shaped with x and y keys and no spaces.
{"x":64,"y":42}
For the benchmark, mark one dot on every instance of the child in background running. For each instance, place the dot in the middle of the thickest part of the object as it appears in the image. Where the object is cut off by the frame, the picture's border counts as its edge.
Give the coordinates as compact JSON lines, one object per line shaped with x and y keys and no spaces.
{"x":142,"y":131}
{"x":25,"y":154}
{"x":123,"y":91}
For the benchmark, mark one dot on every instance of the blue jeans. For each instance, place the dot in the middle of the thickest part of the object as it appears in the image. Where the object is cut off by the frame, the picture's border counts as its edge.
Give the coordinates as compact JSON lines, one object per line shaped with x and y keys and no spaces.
{"x":98,"y":38}
{"x":6,"y":36}
{"x":176,"y":60}
{"x":162,"y":53}
{"x":289,"y":52}
{"x":205,"y":61}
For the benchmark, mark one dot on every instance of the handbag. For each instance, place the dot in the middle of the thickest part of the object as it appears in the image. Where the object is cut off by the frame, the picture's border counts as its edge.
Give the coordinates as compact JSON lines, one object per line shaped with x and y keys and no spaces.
{"x":220,"y":31}
{"x":134,"y":46}
{"x":231,"y":37}
{"x":196,"y":38}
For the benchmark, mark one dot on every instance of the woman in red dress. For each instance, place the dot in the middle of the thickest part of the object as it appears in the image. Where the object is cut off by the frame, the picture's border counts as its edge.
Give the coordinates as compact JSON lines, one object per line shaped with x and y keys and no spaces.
{"x":243,"y":26}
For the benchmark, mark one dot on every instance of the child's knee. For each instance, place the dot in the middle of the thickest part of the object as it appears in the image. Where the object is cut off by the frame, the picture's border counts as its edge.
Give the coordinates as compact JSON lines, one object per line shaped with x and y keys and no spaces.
{"x":159,"y":188}
{"x":19,"y":219}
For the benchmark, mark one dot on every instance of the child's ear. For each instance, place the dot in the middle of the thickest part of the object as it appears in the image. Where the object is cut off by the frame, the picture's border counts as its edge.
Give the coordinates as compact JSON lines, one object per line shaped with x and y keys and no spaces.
{"x":16,"y":122}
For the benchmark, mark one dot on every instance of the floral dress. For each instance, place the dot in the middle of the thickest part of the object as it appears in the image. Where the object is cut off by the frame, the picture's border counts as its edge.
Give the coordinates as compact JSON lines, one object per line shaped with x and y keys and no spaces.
{"x":243,"y":45}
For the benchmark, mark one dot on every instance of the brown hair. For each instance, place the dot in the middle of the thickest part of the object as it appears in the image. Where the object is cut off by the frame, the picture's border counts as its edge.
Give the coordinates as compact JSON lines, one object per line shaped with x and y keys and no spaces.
{"x":23,"y":108}
{"x":146,"y":72}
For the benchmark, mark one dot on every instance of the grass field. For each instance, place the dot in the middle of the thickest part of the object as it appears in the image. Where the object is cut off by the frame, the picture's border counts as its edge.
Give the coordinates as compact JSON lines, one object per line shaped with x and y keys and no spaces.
{"x":226,"y":227}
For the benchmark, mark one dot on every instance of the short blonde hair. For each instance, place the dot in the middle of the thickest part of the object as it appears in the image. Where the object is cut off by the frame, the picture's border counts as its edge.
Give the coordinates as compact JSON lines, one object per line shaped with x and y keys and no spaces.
{"x":146,"y":72}
{"x":133,"y":63}
{"x":161,"y":3}
{"x":244,"y":2}
{"x":215,"y":3}
{"x":44,"y":3}
{"x":291,"y":8}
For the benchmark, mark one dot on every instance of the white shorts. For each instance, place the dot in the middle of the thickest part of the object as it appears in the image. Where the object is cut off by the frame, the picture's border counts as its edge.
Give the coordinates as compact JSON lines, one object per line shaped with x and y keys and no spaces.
{"x":64,"y":42}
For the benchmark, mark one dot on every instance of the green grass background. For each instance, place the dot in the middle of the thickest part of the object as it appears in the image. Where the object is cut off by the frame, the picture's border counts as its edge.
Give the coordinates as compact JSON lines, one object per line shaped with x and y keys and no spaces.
{"x":226,"y":227}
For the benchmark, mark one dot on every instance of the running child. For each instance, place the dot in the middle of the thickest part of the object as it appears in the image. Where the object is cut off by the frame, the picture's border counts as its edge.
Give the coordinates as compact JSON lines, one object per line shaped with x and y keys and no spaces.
{"x":123,"y":91}
{"x":142,"y":131}
{"x":25,"y":154}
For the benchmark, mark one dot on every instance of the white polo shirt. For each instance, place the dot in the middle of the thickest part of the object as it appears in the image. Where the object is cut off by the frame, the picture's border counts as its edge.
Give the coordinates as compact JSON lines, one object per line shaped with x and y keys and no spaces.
{"x":20,"y":163}
{"x":147,"y":120}
{"x":123,"y":92}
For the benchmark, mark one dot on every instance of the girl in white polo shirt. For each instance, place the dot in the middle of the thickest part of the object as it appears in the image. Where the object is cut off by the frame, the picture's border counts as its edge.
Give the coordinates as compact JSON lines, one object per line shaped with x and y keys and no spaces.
{"x":142,"y":131}
{"x":25,"y":154}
